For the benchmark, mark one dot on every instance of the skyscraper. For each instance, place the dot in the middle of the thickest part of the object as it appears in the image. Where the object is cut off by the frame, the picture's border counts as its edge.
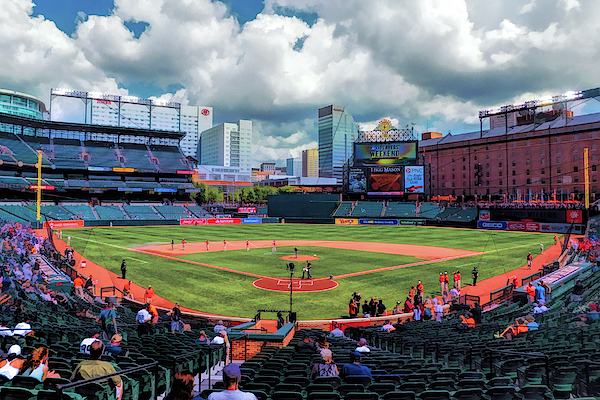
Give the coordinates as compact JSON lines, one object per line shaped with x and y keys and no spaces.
{"x":227,"y":144}
{"x":294,"y":166}
{"x":337,"y":133}
{"x":310,"y":163}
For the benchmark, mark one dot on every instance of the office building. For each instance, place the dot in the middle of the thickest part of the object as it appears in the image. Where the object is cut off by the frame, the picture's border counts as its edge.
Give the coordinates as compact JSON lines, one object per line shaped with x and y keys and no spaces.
{"x":310,"y":163}
{"x":267,"y":167}
{"x":337,"y":133}
{"x":228,"y":145}
{"x":293,"y":166}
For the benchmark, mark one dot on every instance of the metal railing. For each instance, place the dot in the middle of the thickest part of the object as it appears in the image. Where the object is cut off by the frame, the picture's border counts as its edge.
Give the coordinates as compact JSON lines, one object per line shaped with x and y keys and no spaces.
{"x":531,"y":278}
{"x":112,"y":290}
{"x":61,"y":388}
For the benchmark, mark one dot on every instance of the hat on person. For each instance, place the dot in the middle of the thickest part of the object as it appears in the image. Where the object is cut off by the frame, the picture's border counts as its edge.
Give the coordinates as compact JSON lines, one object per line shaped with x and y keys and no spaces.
{"x":356,"y":356}
{"x":15,"y":349}
{"x":232,"y":371}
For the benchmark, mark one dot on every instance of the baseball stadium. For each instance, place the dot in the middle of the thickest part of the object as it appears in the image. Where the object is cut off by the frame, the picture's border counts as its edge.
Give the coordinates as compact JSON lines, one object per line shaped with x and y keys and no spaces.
{"x":108,"y":256}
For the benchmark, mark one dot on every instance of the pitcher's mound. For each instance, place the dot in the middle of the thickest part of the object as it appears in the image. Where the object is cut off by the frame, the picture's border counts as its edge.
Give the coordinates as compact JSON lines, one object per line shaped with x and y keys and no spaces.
{"x":300,"y":258}
{"x":299,"y":285}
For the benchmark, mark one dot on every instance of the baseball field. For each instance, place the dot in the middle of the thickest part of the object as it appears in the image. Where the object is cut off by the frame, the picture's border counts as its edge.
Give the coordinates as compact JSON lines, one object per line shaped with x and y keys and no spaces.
{"x":380,"y":261}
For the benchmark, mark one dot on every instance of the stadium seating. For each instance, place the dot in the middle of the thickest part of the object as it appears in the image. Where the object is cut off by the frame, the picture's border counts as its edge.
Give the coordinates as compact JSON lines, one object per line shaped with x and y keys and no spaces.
{"x":367,"y":209}
{"x":101,"y":154}
{"x":141,"y":212}
{"x":13,"y":150}
{"x":169,"y":158}
{"x":110,"y":212}
{"x":83,"y":211}
{"x":394,"y":209}
{"x":173,"y":212}
{"x":343,"y":209}
{"x":136,"y":156}
{"x":197,"y":211}
{"x":55,"y":212}
{"x":67,"y":153}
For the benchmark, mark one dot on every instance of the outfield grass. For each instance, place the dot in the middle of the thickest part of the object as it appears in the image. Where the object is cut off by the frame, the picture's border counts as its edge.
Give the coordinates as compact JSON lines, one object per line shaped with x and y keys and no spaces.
{"x":228,"y":293}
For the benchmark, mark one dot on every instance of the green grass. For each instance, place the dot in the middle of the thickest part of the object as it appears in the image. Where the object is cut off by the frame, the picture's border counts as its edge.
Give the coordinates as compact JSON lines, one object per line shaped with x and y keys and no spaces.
{"x":228,"y":293}
{"x":331,"y":261}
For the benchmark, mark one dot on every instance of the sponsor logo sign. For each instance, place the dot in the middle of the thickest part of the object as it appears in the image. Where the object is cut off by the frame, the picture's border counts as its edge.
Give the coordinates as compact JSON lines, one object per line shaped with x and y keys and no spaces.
{"x":524,"y":226}
{"x":484,"y":215}
{"x":411,"y":222}
{"x":63,"y":224}
{"x":346,"y":221}
{"x":491,"y":225}
{"x":378,"y":222}
{"x":192,"y":221}
{"x":574,"y":216}
{"x":223,"y":221}
{"x":252,"y":221}
{"x":205,"y":111}
{"x":413,"y":179}
{"x":248,"y":210}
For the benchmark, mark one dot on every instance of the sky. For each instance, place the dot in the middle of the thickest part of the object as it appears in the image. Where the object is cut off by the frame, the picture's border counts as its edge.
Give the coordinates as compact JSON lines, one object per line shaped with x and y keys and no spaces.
{"x":431,"y":63}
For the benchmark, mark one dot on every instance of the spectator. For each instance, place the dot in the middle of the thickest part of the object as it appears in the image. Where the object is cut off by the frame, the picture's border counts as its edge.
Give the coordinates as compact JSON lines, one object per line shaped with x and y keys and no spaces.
{"x":203,"y":338}
{"x":476,"y":313}
{"x":466,"y":322}
{"x":362,"y":346}
{"x":93,"y":368}
{"x":387,"y":327}
{"x":108,"y":321}
{"x":336,"y":331}
{"x":530,"y":323}
{"x":11,"y":366}
{"x":454,"y":293}
{"x":543,"y":307}
{"x":373,"y":307}
{"x":355,"y":368}
{"x":231,"y":381}
{"x":182,"y":387}
{"x":577,"y":291}
{"x":530,"y":293}
{"x":366,"y":310}
{"x":219,"y":326}
{"x":536,"y":309}
{"x":143,"y":319}
{"x":280,"y":321}
{"x":327,"y":368}
{"x":175,"y":319}
{"x":78,"y":285}
{"x":86,"y":344}
{"x":306,"y":343}
{"x":36,"y":365}
{"x":114,"y":347}
{"x":438,"y":308}
{"x":89,"y":285}
{"x":408,"y":306}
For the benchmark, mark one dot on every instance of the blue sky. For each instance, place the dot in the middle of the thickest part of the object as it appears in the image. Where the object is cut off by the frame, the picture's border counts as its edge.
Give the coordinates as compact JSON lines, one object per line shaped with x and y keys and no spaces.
{"x":434,"y":63}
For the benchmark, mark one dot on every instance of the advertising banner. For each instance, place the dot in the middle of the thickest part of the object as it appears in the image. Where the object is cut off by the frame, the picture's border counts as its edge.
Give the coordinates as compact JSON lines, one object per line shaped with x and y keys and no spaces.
{"x":63,"y":224}
{"x":414,"y":179}
{"x":223,"y":221}
{"x":357,"y":180}
{"x":412,"y":222}
{"x":251,"y":220}
{"x":382,"y":153}
{"x":492,"y":225}
{"x":523,"y":226}
{"x":484,"y":215}
{"x":346,"y":221}
{"x":378,"y":222}
{"x":574,"y":216}
{"x":386,"y":181}
{"x":247,"y":210}
{"x":192,"y":221}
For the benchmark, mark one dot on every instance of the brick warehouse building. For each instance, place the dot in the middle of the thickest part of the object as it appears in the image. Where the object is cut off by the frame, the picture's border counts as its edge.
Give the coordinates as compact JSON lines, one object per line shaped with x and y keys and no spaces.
{"x":527,"y":158}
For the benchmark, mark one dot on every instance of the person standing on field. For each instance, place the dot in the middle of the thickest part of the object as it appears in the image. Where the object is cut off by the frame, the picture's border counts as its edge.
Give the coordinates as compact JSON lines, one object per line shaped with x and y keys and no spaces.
{"x":172,"y":244}
{"x":475,"y":275}
{"x":207,"y":244}
{"x":224,"y":245}
{"x":529,"y":260}
{"x":123,"y":269}
{"x":247,"y":246}
{"x":183,"y":242}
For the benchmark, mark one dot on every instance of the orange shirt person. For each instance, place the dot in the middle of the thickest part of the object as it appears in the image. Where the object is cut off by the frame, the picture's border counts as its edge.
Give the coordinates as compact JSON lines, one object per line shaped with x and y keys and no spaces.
{"x":530,"y":292}
{"x":148,"y":294}
{"x":154,"y":312}
{"x":78,"y":283}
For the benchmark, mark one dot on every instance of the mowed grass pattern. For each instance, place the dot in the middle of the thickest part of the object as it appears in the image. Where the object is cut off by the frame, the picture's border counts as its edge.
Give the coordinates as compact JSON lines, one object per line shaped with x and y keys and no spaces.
{"x":331,"y":261}
{"x":229,"y":293}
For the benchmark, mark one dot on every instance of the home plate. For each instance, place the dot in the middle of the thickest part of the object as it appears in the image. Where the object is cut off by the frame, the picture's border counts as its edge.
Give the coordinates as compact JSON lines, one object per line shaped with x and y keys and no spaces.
{"x":298,"y":285}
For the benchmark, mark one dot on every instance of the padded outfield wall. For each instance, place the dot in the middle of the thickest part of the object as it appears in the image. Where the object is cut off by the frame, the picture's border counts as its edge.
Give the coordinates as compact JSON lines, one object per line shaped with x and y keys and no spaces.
{"x":309,"y":207}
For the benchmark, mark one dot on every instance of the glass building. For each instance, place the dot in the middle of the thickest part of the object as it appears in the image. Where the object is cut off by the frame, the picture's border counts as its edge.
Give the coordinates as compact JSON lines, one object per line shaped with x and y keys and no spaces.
{"x":21,"y":104}
{"x":337,"y":133}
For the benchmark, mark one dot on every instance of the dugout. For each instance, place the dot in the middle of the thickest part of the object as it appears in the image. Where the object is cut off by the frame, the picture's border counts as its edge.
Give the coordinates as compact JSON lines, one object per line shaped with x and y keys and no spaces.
{"x":303,"y":207}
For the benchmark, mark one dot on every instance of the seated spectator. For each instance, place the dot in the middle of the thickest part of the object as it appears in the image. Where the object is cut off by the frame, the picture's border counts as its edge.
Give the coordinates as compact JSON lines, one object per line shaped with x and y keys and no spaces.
{"x":388,"y":327}
{"x":11,"y":366}
{"x":466,"y":322}
{"x":231,"y":381}
{"x":93,"y":368}
{"x":203,"y":338}
{"x":593,"y":313}
{"x":218,"y":339}
{"x":536,"y":309}
{"x":520,"y":326}
{"x":306,"y":343}
{"x":322,"y":343}
{"x":219,"y":327}
{"x":408,"y":306}
{"x":454,"y":293}
{"x":182,"y":387}
{"x":86,"y":344}
{"x":531,"y":324}
{"x":327,"y":368}
{"x":542,"y":305}
{"x":577,"y":291}
{"x":336,"y":331}
{"x":354,"y":368}
{"x":114,"y":347}
{"x":362,"y":346}
{"x":476,"y":313}
{"x":36,"y":365}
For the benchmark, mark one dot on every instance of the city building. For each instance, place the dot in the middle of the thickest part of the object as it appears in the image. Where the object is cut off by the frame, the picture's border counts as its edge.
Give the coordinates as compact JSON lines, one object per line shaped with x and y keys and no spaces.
{"x":135,"y":112}
{"x":227,"y":145}
{"x":310,"y":163}
{"x":267,"y":167}
{"x":21,"y":104}
{"x":294,"y":166}
{"x":528,"y":161}
{"x":337,"y":133}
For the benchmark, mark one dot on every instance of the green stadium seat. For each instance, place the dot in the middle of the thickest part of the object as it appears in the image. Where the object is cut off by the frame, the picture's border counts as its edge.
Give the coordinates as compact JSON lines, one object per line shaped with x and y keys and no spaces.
{"x":399,"y":395}
{"x":15,"y":393}
{"x":260,"y":395}
{"x":323,"y":396}
{"x":285,"y":395}
{"x":382,"y":388}
{"x":346,"y":388}
{"x":361,"y":396}
{"x":27,"y":382}
{"x":435,"y":395}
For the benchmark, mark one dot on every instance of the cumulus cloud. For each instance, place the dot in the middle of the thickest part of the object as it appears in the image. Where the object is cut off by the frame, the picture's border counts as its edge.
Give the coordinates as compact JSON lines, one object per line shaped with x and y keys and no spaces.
{"x":409,"y":61}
